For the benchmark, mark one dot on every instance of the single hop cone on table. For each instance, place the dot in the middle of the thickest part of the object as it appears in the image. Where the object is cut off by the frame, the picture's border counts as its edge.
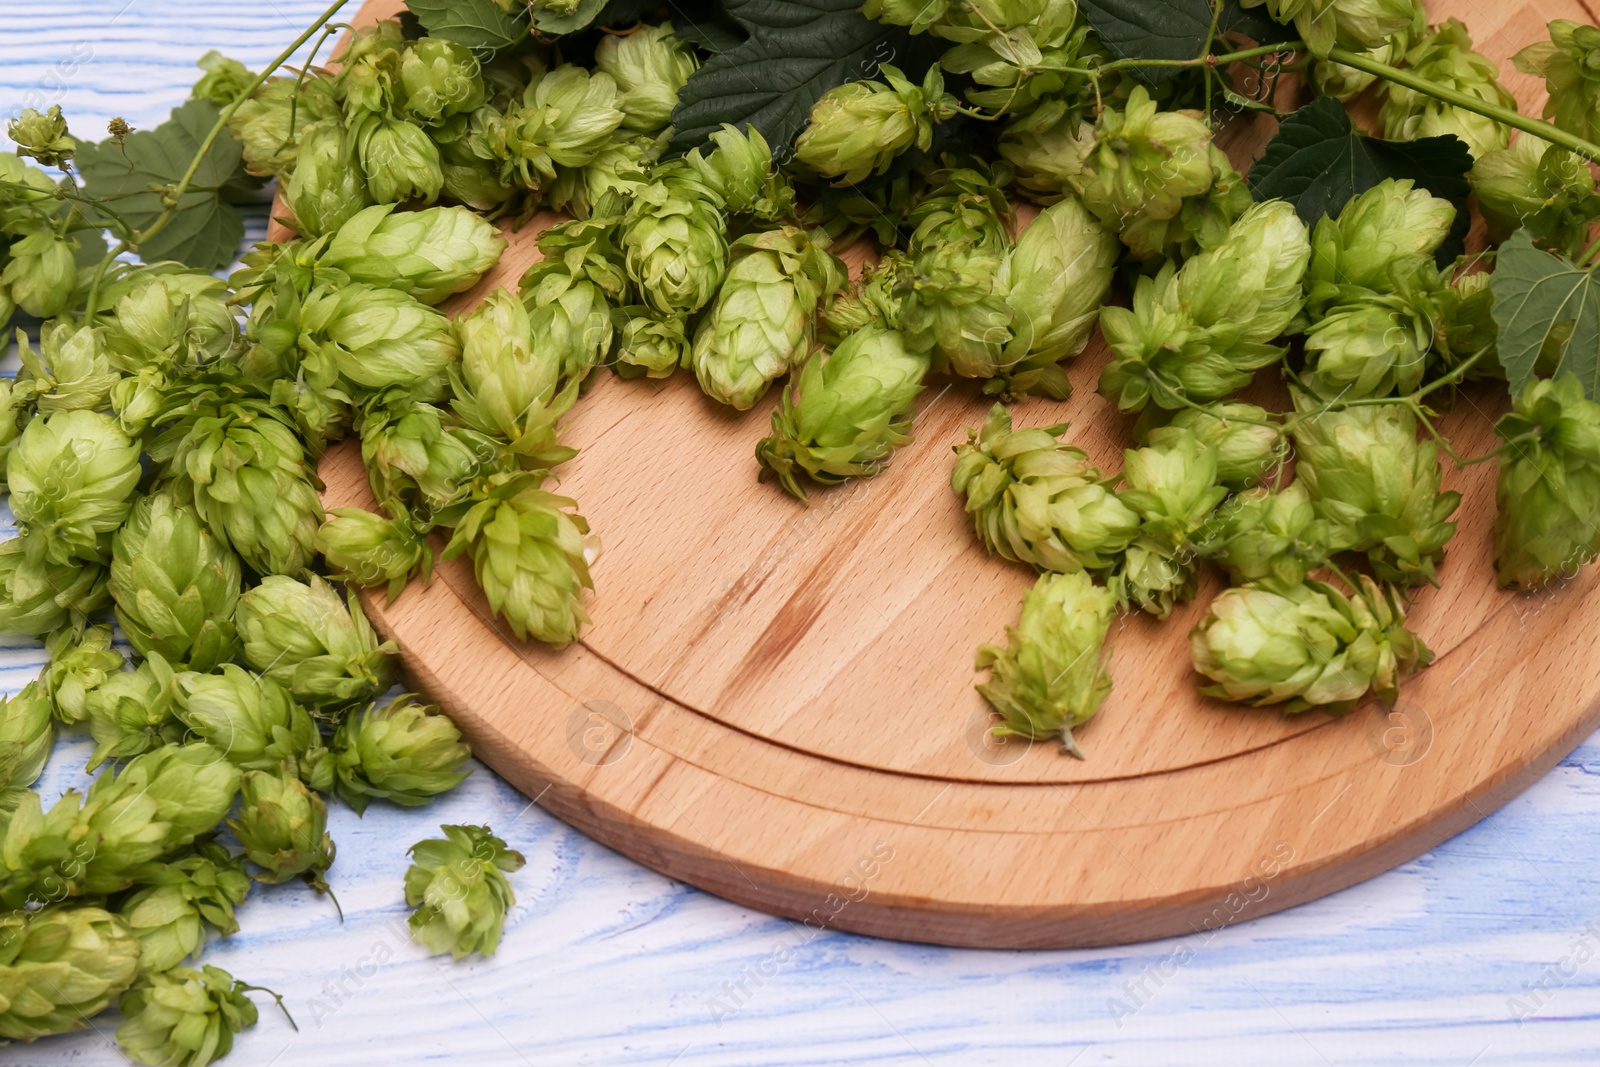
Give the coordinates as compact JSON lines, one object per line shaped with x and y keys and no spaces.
{"x":440,"y":78}
{"x":132,"y":712}
{"x":77,"y":664}
{"x":60,"y":967}
{"x":649,"y":66}
{"x":183,"y":1017}
{"x":510,"y":388}
{"x":175,"y":904}
{"x":1051,"y":675}
{"x":648,"y":344}
{"x":1270,"y":538}
{"x":1569,"y":63}
{"x":1306,"y":646}
{"x":1034,"y":499}
{"x":458,"y":886}
{"x":1373,"y":346}
{"x":315,"y":643}
{"x":282,"y":825}
{"x":398,"y":159}
{"x":375,"y":338}
{"x":845,"y":414}
{"x":403,"y":752}
{"x":1548,"y":489}
{"x":71,"y":477}
{"x":368,"y":549}
{"x":1445,"y":58}
{"x":428,"y":254}
{"x":170,"y":321}
{"x":254,"y":723}
{"x":27,"y":735}
{"x":858,"y":128}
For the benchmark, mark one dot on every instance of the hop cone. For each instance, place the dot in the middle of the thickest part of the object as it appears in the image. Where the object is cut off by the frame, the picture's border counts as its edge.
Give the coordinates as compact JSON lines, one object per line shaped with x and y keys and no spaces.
{"x":175,"y":586}
{"x":1377,"y":488}
{"x":762,"y":322}
{"x":38,"y":598}
{"x":1567,"y":62}
{"x":440,"y":79}
{"x":1172,"y":487}
{"x":1036,"y":500}
{"x":1548,"y":491}
{"x":59,"y":967}
{"x":1306,"y":646}
{"x":739,"y":169}
{"x":253,"y":722}
{"x":427,"y":254}
{"x":27,"y":735}
{"x":368,"y":549}
{"x":1376,"y":346}
{"x":649,"y":66}
{"x":378,"y":338}
{"x":183,"y":1017}
{"x":283,"y":827}
{"x":845,"y":414}
{"x":1360,"y":25}
{"x":414,"y":459}
{"x":528,"y":552}
{"x":42,"y":137}
{"x":458,"y":885}
{"x":675,"y":239}
{"x":858,"y":128}
{"x":649,"y":344}
{"x":1445,"y":58}
{"x":71,"y":476}
{"x":1247,"y":441}
{"x":71,"y":371}
{"x":1051,"y":677}
{"x":326,"y":189}
{"x":510,"y":388}
{"x":1272,"y":539}
{"x":266,"y":123}
{"x":42,"y":272}
{"x":1382,"y":239}
{"x":170,"y":321}
{"x":398,"y":158}
{"x":78,"y":663}
{"x":133,"y":711}
{"x":320,"y":647}
{"x":570,"y":292}
{"x":170,"y":912}
{"x":403,"y":752}
{"x":567,"y":116}
{"x":1540,"y":186}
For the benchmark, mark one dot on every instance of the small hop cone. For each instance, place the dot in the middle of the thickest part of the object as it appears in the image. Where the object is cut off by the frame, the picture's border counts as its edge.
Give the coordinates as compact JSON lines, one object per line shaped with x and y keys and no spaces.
{"x":403,"y":752}
{"x":649,"y":66}
{"x":440,"y":78}
{"x":675,"y":240}
{"x":858,"y":128}
{"x":367,"y":549}
{"x":398,"y":158}
{"x":417,"y":462}
{"x":183,"y":1017}
{"x":740,"y":170}
{"x":42,"y":137}
{"x":509,"y":387}
{"x":570,"y":293}
{"x":529,"y":553}
{"x":72,"y":370}
{"x":1540,"y":186}
{"x":265,"y":123}
{"x":224,"y":80}
{"x":178,"y":902}
{"x":427,"y":255}
{"x":1034,"y":499}
{"x":1548,"y":489}
{"x":1445,"y":58}
{"x":1246,"y":438}
{"x":1375,"y":346}
{"x":1358,"y":25}
{"x":1051,"y":675}
{"x":78,"y":664}
{"x":566,"y":118}
{"x":1567,"y":62}
{"x":132,"y":712}
{"x":39,"y":598}
{"x":282,"y":825}
{"x":71,"y":476}
{"x":845,"y":413}
{"x":60,"y":967}
{"x":41,"y":272}
{"x":458,"y":886}
{"x":251,"y":720}
{"x":376,"y":338}
{"x":1383,"y":239}
{"x":170,"y":321}
{"x":1265,"y":537}
{"x":326,"y":189}
{"x":27,"y":735}
{"x":649,"y":344}
{"x":316,"y":644}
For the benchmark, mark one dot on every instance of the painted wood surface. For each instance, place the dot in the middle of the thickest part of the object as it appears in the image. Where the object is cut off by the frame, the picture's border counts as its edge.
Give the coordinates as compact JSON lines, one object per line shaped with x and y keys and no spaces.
{"x":605,"y":962}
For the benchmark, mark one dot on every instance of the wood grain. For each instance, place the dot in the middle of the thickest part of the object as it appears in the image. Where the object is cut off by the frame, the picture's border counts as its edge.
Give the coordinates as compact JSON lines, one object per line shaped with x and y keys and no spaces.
{"x":773,"y":698}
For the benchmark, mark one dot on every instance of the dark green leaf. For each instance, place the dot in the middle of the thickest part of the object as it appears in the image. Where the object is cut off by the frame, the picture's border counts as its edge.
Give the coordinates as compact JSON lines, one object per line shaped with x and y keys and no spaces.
{"x":1318,"y":161}
{"x":1172,"y":29}
{"x":206,"y":230}
{"x":712,"y":34}
{"x":627,"y":12}
{"x":1544,"y":301}
{"x":477,"y":24}
{"x":796,"y":51}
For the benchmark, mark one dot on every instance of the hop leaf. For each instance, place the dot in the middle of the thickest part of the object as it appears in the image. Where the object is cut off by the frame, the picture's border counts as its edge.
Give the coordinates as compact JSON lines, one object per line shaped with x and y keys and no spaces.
{"x":459,"y":889}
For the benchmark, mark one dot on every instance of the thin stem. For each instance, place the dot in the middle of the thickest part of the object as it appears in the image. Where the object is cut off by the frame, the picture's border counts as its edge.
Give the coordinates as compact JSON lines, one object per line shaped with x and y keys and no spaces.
{"x":92,"y":305}
{"x":1229,"y":57}
{"x":1591,"y":255}
{"x":182,"y":187}
{"x":1456,"y":375}
{"x":1410,"y":80}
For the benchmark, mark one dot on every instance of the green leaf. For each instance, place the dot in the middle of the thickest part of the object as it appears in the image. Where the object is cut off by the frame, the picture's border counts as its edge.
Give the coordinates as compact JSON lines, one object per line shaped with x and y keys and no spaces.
{"x":555,"y":25}
{"x":1544,"y":304}
{"x":796,"y":51}
{"x":1172,"y":29}
{"x":1318,"y":160}
{"x":476,"y":24}
{"x":206,"y":230}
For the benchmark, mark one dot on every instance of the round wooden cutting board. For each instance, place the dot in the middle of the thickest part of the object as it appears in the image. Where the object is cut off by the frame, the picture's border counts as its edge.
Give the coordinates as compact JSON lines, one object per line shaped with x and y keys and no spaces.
{"x":775,"y":702}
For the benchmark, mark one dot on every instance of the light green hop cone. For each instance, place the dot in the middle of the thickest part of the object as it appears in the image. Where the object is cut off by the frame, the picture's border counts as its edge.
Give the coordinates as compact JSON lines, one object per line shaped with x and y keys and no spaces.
{"x":1306,"y":646}
{"x":398,"y":159}
{"x":762,"y":322}
{"x":71,"y":477}
{"x":510,"y":388}
{"x":458,"y":886}
{"x":71,"y":371}
{"x":132,"y":712}
{"x":1376,"y":346}
{"x":845,"y":414}
{"x":858,"y":128}
{"x":60,"y":967}
{"x":78,"y":663}
{"x":315,"y":643}
{"x":1051,"y":676}
{"x":39,"y":598}
{"x":440,"y":78}
{"x":739,"y":168}
{"x":1445,"y":58}
{"x":1548,"y":490}
{"x":183,"y":1017}
{"x":1354,"y":24}
{"x":1570,"y":68}
{"x":326,"y":189}
{"x":428,"y":254}
{"x":566,"y":117}
{"x":170,"y":321}
{"x":416,"y":460}
{"x":266,"y":122}
{"x":530,"y":555}
{"x":254,"y":722}
{"x":403,"y":752}
{"x":1172,"y":487}
{"x":648,"y":344}
{"x":376,"y":337}
{"x":1034,"y":499}
{"x":368,"y":549}
{"x":570,"y":293}
{"x":42,"y":136}
{"x":1382,"y":239}
{"x":675,"y":240}
{"x":649,"y":66}
{"x":176,"y":904}
{"x":1271,"y":538}
{"x":1248,"y":439}
{"x":41,"y":273}
{"x":282,"y":825}
{"x":1540,"y":186}
{"x":27,"y":735}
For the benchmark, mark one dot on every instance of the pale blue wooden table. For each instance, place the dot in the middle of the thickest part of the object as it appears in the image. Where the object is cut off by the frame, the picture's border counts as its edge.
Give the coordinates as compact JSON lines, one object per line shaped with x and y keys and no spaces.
{"x":1481,"y":952}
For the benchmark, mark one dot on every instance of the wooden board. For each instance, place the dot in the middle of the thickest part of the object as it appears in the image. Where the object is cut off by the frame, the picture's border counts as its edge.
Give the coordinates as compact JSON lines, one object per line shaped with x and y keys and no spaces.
{"x":775,"y":701}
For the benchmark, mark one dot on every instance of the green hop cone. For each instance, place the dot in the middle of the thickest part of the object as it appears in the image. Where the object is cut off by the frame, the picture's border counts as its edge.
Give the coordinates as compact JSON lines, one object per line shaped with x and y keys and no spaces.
{"x":1548,"y":491}
{"x":1306,"y":646}
{"x":428,"y":254}
{"x":38,"y":598}
{"x":1445,"y":58}
{"x":1172,"y":487}
{"x":132,"y":712}
{"x":397,"y":158}
{"x":649,"y":66}
{"x":368,"y":549}
{"x":42,"y":273}
{"x":507,"y":386}
{"x":622,"y":166}
{"x":60,"y":967}
{"x":762,"y":322}
{"x":440,"y":78}
{"x":529,"y":554}
{"x":1059,"y":271}
{"x":101,"y":842}
{"x":171,"y":321}
{"x":1051,"y":677}
{"x":1272,"y":539}
{"x":71,"y":475}
{"x":1034,"y":499}
{"x":175,"y":586}
{"x":458,"y":886}
{"x":858,"y":128}
{"x":570,"y":292}
{"x":77,"y":664}
{"x":403,"y":752}
{"x":183,"y":1017}
{"x":16,"y":410}
{"x":1569,"y":63}
{"x":1373,"y":346}
{"x":1247,"y":440}
{"x":648,"y":343}
{"x":253,"y":721}
{"x":244,"y":470}
{"x":268,"y":124}
{"x":1359,"y":25}
{"x":326,"y":189}
{"x":1539,"y":186}
{"x":472,"y":172}
{"x":1377,"y":488}
{"x":1345,"y":83}
{"x":169,"y":913}
{"x":377,"y":338}
{"x":319,"y":646}
{"x":283,"y":826}
{"x":224,"y":80}
{"x":27,"y":735}
{"x":845,"y":414}
{"x":675,"y":238}
{"x":415,"y":461}
{"x":739,"y":168}
{"x":1046,"y":147}
{"x":71,"y":371}
{"x":42,"y":137}
{"x":1382,"y":238}
{"x":1464,"y":326}
{"x":567,"y":117}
